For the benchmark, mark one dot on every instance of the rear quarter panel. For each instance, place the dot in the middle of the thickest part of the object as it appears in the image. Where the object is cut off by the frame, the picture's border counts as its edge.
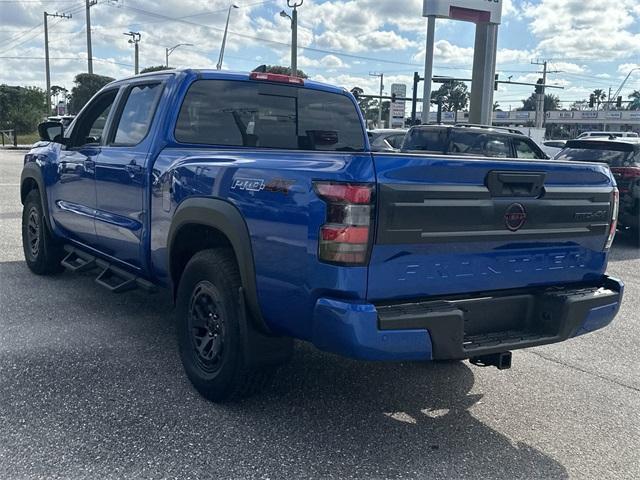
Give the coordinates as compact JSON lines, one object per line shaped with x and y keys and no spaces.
{"x":273,"y":191}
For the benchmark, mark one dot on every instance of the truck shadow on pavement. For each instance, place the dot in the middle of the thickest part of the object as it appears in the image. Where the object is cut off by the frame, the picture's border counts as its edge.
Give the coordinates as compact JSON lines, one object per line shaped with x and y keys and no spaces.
{"x":92,"y":386}
{"x":625,"y":247}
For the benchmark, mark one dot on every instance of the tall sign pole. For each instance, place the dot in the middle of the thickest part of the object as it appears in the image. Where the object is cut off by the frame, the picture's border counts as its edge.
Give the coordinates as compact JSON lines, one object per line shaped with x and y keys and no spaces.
{"x":88,"y":5}
{"x":486,"y":15}
{"x":428,"y":67}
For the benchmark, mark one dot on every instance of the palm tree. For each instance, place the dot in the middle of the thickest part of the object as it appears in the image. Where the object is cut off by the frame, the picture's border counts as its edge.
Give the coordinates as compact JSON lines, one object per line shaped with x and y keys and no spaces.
{"x":599,"y":95}
{"x":635,"y":100}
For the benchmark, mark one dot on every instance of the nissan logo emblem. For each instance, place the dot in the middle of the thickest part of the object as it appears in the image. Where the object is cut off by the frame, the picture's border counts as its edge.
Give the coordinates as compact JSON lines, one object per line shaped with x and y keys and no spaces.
{"x":515,"y":217}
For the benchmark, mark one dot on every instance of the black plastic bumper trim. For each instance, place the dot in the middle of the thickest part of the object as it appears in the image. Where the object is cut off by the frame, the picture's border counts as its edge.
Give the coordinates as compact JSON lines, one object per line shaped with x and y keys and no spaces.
{"x":500,"y":321}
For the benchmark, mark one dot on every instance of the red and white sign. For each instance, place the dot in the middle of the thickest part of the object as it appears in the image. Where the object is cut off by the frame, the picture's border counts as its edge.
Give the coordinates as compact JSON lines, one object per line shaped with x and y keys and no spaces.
{"x":476,"y":11}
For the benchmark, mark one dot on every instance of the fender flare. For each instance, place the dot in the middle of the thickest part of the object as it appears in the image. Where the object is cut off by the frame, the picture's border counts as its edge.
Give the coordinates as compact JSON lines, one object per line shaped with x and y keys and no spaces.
{"x":31,"y":171}
{"x":226,"y":218}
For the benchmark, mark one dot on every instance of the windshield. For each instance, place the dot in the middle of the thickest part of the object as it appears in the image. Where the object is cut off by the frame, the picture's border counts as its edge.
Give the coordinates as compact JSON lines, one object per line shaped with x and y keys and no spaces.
{"x":613,"y":158}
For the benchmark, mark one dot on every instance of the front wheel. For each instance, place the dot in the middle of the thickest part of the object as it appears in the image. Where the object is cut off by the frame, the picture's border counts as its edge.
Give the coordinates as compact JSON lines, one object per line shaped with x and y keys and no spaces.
{"x":208,"y":325}
{"x":42,"y":252}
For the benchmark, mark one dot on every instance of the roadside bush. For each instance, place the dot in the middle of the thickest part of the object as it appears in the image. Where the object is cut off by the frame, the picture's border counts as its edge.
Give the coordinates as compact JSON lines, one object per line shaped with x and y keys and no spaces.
{"x":21,"y":108}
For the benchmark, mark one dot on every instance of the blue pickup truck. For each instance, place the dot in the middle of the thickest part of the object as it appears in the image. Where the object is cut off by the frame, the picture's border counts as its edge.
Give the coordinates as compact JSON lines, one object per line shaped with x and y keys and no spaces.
{"x":256,"y":202}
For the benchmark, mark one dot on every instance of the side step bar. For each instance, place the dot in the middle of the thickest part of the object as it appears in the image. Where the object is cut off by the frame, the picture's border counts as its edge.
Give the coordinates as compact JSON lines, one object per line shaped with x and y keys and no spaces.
{"x":114,"y":279}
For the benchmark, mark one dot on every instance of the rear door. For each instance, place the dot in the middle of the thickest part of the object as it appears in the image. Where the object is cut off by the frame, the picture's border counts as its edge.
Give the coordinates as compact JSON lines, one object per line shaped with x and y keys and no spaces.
{"x":451,"y":226}
{"x":121,"y":173}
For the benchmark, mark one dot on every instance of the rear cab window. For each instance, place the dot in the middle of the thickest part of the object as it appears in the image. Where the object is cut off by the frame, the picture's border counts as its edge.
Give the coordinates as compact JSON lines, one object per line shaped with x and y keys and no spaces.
{"x":266,"y":115}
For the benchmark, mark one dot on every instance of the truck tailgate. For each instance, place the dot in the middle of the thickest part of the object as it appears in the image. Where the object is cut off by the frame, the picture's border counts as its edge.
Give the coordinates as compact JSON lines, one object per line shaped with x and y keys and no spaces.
{"x":448,"y":226}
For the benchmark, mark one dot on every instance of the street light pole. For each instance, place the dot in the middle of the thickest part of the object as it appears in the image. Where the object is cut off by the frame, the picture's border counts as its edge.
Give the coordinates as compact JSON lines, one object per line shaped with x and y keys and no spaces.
{"x":169,"y":50}
{"x":624,"y":82}
{"x":46,"y":55}
{"x":224,"y":37}
{"x":135,"y":39}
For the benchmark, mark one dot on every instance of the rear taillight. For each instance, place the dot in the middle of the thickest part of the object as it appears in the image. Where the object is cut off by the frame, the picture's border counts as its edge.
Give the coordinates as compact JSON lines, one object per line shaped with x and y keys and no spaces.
{"x":626,"y":173}
{"x":346,"y":236}
{"x":614,"y":219}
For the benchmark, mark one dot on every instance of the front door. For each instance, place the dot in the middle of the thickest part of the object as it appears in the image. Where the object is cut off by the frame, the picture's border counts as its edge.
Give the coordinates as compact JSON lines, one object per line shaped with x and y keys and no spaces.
{"x":121,"y":174}
{"x":72,"y":196}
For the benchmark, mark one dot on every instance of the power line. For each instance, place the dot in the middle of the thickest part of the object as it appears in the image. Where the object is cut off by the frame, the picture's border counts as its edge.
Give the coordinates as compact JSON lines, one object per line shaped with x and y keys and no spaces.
{"x":78,"y":59}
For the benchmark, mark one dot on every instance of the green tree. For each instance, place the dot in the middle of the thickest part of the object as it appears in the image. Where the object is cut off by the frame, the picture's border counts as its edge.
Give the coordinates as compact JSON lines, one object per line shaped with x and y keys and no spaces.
{"x":551,"y":102}
{"x":155,"y":68}
{"x":496,"y":107}
{"x":86,"y":85}
{"x":454,"y":95}
{"x":21,"y":108}
{"x":279,"y":69}
{"x":635,"y":100}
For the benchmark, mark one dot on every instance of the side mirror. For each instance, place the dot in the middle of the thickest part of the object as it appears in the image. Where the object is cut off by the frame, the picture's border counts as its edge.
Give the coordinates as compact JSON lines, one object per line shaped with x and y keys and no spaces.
{"x":51,"y":132}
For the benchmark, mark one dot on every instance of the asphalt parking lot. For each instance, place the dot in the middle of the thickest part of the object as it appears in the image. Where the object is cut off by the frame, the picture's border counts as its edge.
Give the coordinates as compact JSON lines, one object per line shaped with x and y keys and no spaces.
{"x":91,"y":386}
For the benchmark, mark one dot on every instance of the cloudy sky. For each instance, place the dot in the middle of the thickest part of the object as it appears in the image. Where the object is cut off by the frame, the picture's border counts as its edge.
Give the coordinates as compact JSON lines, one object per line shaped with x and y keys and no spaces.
{"x":592,"y":44}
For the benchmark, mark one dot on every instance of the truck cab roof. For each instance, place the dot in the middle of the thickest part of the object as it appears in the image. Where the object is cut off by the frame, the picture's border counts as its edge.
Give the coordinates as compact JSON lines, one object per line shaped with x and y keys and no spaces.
{"x":211,"y":74}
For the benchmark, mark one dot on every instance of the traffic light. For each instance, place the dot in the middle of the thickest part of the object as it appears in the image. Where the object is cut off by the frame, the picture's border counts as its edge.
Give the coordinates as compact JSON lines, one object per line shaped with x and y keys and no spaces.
{"x":495,"y":84}
{"x":539,"y":87}
{"x":592,"y":100}
{"x":393,"y":97}
{"x":619,"y":102}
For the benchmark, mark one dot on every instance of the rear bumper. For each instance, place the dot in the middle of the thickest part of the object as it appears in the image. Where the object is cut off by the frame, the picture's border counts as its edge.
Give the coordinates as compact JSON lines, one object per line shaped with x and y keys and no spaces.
{"x":464,"y":327}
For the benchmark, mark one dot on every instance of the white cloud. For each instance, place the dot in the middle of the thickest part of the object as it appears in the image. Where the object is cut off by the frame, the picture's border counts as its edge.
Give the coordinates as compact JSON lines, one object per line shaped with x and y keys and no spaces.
{"x":585,"y":28}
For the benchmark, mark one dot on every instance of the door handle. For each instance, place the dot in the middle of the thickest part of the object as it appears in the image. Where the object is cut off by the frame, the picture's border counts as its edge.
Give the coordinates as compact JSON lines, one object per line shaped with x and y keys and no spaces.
{"x":133,"y":169}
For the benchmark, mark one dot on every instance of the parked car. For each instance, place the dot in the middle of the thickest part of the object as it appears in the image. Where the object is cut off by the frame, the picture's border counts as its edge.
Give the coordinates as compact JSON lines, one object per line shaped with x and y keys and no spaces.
{"x":623,"y":157}
{"x":608,"y":134}
{"x":553,"y":147}
{"x":386,"y":140}
{"x":472,"y":140}
{"x":255,"y":201}
{"x":65,"y":120}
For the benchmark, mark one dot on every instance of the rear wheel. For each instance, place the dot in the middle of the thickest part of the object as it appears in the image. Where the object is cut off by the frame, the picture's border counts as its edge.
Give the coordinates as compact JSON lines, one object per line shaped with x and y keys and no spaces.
{"x":208,"y":327}
{"x":42,"y":252}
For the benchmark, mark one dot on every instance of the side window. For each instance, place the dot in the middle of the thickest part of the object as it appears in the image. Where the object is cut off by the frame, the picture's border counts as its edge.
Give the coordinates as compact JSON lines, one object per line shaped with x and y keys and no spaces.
{"x":137,"y":114}
{"x":90,"y":126}
{"x":431,"y":140}
{"x":396,"y":140}
{"x":525,"y":150}
{"x":480,"y":144}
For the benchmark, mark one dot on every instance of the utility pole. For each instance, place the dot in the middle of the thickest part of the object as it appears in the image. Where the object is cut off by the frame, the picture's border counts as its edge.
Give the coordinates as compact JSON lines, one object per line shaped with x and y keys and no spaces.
{"x":414,"y":99}
{"x":381,"y":76}
{"x":135,"y":39}
{"x":224,"y":38}
{"x":541,"y":96}
{"x":46,"y":55}
{"x":540,"y":104}
{"x":88,"y":5}
{"x":293,"y":4}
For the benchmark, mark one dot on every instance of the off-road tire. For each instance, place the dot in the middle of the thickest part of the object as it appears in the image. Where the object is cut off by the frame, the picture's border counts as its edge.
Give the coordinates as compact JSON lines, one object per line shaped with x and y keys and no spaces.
{"x":42,"y":252}
{"x":208,"y":328}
